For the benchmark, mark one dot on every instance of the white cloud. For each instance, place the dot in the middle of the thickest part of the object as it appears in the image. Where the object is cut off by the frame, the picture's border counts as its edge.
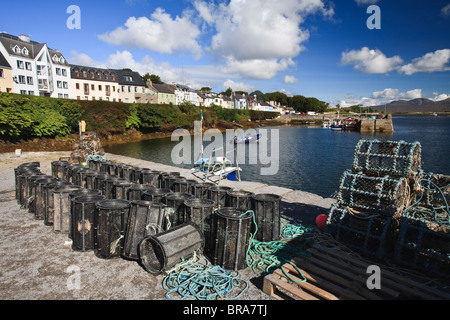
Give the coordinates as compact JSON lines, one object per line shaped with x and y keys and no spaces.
{"x":250,"y":35}
{"x":445,"y":11}
{"x":378,"y":98}
{"x":389,"y":95}
{"x":440,"y":97}
{"x":290,"y":79}
{"x":160,"y":33}
{"x":237,"y":86}
{"x":256,"y":68}
{"x":431,"y":62}
{"x":370,"y":61}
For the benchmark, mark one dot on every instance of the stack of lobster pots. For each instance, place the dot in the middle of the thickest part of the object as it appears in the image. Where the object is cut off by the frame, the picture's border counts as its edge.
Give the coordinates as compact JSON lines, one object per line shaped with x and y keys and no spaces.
{"x":387,"y":208}
{"x":156,"y":218}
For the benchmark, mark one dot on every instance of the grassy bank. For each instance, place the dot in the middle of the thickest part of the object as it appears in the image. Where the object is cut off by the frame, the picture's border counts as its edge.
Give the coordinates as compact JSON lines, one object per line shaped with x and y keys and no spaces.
{"x":36,"y":123}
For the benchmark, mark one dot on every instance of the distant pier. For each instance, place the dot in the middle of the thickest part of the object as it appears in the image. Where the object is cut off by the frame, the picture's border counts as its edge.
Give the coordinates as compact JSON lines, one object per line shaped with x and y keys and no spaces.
{"x":365,"y":124}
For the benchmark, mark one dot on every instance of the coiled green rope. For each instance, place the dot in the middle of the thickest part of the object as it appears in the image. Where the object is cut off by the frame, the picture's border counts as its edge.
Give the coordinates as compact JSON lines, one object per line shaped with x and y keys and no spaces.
{"x":264,"y":256}
{"x":192,"y":279}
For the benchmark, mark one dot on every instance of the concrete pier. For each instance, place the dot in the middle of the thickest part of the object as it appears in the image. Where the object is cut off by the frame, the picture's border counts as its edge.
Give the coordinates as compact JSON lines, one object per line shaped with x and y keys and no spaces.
{"x":38,"y":264}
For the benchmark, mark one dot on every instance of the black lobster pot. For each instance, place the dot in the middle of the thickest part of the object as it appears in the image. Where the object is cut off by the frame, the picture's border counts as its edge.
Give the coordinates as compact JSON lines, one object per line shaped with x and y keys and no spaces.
{"x":62,"y":208}
{"x":136,"y":173}
{"x":125,"y":172}
{"x":110,"y":226}
{"x":184,"y":185}
{"x":95,"y":164}
{"x":83,"y":221}
{"x":21,"y":175}
{"x":239,"y":199}
{"x":170,"y":180}
{"x":120,"y":189}
{"x":176,"y":208}
{"x":79,"y":176}
{"x":137,"y":190}
{"x":166,"y":176}
{"x":149,"y":177}
{"x":58,"y":168}
{"x":145,"y":219}
{"x":219,"y":195}
{"x":108,"y":186}
{"x":79,"y":193}
{"x":108,"y":167}
{"x":68,"y":170}
{"x":90,"y":179}
{"x":31,"y":196}
{"x":267,"y":216}
{"x":232,"y":238}
{"x":99,"y":181}
{"x":201,"y":212}
{"x":161,"y":252}
{"x":156,"y":195}
{"x":39,"y":196}
{"x":49,"y":204}
{"x":200,"y":189}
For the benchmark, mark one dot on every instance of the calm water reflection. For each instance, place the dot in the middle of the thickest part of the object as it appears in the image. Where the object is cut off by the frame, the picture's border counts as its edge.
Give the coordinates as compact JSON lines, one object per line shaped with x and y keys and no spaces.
{"x":313,"y":159}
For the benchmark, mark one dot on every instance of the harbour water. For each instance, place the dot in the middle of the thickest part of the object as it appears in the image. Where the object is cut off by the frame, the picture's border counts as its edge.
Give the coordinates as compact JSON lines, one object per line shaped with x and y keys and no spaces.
{"x":313,"y":159}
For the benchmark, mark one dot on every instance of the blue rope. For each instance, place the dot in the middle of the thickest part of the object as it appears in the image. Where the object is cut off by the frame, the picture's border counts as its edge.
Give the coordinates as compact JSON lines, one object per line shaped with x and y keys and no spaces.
{"x":195,"y":280}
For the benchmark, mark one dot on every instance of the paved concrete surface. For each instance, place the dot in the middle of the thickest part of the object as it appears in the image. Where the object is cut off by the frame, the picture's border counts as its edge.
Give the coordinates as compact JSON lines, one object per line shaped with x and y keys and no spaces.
{"x":38,"y":264}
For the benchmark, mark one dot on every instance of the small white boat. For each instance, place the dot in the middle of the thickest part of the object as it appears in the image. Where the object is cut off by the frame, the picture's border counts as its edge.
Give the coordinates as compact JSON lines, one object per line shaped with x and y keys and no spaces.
{"x":218,"y":167}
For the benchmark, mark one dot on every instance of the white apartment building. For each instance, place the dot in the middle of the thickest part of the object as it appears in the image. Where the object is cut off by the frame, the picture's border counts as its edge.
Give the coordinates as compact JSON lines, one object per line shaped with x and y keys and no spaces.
{"x":36,"y":69}
{"x":184,"y":93}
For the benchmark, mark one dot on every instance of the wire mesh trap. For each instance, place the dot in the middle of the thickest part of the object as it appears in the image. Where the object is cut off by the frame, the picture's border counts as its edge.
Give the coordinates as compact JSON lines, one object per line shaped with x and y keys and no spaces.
{"x":161,"y":252}
{"x":110,"y":224}
{"x":394,"y":158}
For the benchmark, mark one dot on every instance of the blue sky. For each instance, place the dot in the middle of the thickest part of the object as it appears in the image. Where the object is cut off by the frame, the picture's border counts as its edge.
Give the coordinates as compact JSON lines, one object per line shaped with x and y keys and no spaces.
{"x":316,"y":48}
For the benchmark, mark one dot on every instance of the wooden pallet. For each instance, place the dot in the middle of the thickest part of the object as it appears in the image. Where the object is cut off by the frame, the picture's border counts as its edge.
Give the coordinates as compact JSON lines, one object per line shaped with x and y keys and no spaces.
{"x":334,"y":275}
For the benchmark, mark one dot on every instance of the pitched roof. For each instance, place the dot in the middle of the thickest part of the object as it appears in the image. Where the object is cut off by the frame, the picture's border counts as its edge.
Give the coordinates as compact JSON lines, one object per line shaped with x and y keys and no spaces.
{"x":99,"y":73}
{"x":3,"y":62}
{"x":163,"y":88}
{"x":132,"y":78}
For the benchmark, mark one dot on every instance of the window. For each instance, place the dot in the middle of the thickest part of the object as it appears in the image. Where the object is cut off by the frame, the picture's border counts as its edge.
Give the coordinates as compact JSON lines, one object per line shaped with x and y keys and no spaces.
{"x":64,"y":72}
{"x":66,"y":96}
{"x":58,"y":71}
{"x":30,"y":80}
{"x":59,"y":84}
{"x":114,"y":88}
{"x":23,"y":91}
{"x":60,"y":95}
{"x":20,"y":64}
{"x":62,"y":60}
{"x":55,"y":58}
{"x":99,"y":75}
{"x":25,"y":51}
{"x":31,"y":93}
{"x":65,"y":85}
{"x":92,"y":87}
{"x":78,"y":98}
{"x":136,"y":89}
{"x":128,"y":78}
{"x":28,"y":66}
{"x":22,"y":79}
{"x":2,"y":74}
{"x":129,"y":88}
{"x":123,"y":88}
{"x":84,"y":74}
{"x":16,"y":49}
{"x":92,"y":75}
{"x":40,"y":70}
{"x":77,"y":86}
{"x":99,"y":88}
{"x":86,"y":89}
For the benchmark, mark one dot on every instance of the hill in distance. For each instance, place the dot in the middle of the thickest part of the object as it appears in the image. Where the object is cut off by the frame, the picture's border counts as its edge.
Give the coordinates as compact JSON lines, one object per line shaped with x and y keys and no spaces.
{"x":420,"y":105}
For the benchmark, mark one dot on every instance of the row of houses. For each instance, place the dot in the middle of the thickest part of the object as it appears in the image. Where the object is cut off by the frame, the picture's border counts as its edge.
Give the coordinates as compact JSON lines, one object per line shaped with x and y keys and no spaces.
{"x":31,"y":68}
